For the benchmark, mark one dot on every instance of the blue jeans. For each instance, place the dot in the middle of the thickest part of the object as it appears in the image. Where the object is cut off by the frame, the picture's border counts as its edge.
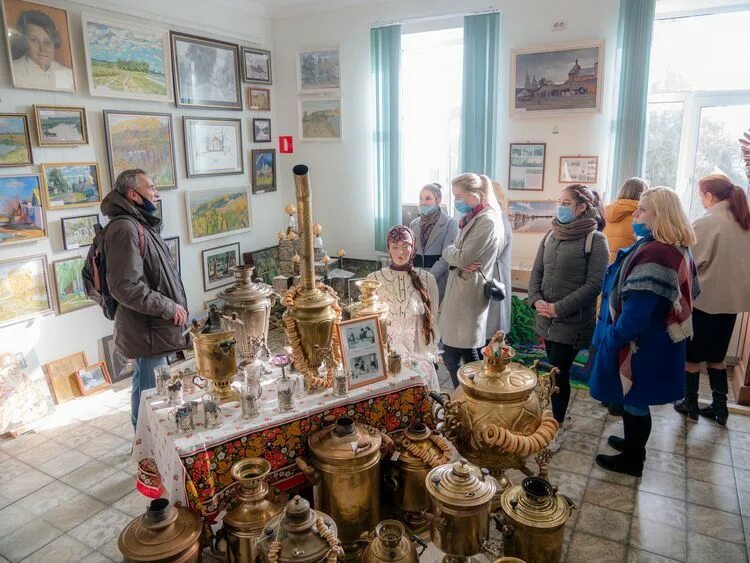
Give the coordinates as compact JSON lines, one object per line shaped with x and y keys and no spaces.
{"x":143,"y":378}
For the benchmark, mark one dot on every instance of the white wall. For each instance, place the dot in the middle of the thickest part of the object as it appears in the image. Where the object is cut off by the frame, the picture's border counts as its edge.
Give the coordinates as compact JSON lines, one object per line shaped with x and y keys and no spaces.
{"x":57,"y":336}
{"x":342,"y":173}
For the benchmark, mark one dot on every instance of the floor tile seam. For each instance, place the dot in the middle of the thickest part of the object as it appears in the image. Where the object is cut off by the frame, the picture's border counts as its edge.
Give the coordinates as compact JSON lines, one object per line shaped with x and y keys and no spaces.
{"x":49,"y":542}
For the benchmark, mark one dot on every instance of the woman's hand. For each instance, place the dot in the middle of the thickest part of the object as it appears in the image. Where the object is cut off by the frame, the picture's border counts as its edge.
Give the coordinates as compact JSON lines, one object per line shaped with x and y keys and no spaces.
{"x":473,"y":267}
{"x":541,"y":308}
{"x":551,"y":311}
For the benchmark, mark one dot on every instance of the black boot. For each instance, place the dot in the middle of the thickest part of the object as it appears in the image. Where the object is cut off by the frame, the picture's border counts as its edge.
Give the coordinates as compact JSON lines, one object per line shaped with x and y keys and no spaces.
{"x":617,"y":443}
{"x":615,"y":410}
{"x":719,"y":390}
{"x":689,"y":405}
{"x":630,"y":461}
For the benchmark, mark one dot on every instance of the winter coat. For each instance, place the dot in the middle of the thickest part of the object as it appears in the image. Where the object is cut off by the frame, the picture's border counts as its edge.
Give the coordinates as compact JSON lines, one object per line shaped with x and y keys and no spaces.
{"x":463,"y":320}
{"x":146,"y":288}
{"x":499,"y":315}
{"x":619,"y":228}
{"x":443,"y":234}
{"x":564,"y":276}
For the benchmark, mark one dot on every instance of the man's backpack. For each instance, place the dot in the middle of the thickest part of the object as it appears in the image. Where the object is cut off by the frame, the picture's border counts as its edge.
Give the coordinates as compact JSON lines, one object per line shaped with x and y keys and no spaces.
{"x":94,"y":270}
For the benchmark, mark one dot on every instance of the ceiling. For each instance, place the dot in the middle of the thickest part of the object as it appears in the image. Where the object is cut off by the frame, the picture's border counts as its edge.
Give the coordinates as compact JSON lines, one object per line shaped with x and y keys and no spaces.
{"x":283,"y":8}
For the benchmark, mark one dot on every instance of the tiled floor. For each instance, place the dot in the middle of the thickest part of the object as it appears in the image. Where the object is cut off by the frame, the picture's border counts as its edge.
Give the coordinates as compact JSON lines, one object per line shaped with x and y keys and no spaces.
{"x":67,"y":489}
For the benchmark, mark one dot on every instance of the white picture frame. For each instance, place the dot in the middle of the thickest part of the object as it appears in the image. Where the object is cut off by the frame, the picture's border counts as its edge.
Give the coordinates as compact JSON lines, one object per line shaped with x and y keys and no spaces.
{"x":315,"y":119}
{"x":362,"y":351}
{"x":213,"y":146}
{"x":579,"y":170}
{"x":217,"y":264}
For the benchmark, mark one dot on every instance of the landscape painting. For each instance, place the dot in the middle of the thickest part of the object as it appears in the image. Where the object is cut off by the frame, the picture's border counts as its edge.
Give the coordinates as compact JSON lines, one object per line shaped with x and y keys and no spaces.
{"x":71,"y":185}
{"x":264,"y":170}
{"x":213,"y":147}
{"x":257,"y":67}
{"x":318,"y":71}
{"x":217,"y":212}
{"x":532,"y":217}
{"x":21,"y":213}
{"x":15,"y":145}
{"x":24,"y":289}
{"x":259,"y":99}
{"x":141,"y":140}
{"x":563,"y":78}
{"x":61,"y":126}
{"x":127,"y":61}
{"x":71,"y":294}
{"x":320,"y":119}
{"x":217,"y":265}
{"x":79,"y":231}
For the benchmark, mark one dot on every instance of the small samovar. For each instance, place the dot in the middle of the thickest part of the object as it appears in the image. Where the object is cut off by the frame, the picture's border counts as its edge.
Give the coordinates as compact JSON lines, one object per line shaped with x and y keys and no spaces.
{"x":250,"y":302}
{"x":369,"y":304}
{"x":532,"y":520}
{"x":389,"y":543}
{"x":257,"y":505}
{"x":215,"y":356}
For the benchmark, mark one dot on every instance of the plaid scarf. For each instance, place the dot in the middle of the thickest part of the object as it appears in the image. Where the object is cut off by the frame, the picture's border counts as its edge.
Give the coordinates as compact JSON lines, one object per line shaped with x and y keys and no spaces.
{"x":471,"y":214}
{"x":426,"y":223}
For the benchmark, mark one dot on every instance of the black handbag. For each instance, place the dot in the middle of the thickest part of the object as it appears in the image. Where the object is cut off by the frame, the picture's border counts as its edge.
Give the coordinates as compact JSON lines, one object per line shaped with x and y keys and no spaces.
{"x":493,"y":289}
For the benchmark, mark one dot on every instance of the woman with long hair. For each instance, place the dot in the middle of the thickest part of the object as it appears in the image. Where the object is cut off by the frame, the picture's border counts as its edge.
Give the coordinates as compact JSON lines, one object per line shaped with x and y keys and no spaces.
{"x":619,"y":216}
{"x":499,"y":315}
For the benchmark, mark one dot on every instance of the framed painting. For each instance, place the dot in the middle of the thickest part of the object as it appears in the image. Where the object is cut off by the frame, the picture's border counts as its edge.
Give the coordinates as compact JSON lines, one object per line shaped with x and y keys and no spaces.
{"x":78,"y":231}
{"x":259,"y":99}
{"x":362,"y":351}
{"x":61,"y":374}
{"x":15,"y":143}
{"x":206,"y":72}
{"x":40,"y":53}
{"x":69,"y":291}
{"x":266,"y":262}
{"x":213,"y":147}
{"x":256,"y":66}
{"x":93,"y":378}
{"x":71,"y":185}
{"x":579,"y":169}
{"x":319,"y":119}
{"x":118,"y":366}
{"x":60,"y":126}
{"x":217,"y":212}
{"x":217,"y":265}
{"x":532,"y":217}
{"x":526,"y":168}
{"x":557,"y":79}
{"x":173,"y":244}
{"x":264,"y":170}
{"x":24,"y":286}
{"x":261,"y":130}
{"x":318,"y":71}
{"x":141,"y":140}
{"x":22,"y":217}
{"x":125,"y":60}
{"x":24,"y":394}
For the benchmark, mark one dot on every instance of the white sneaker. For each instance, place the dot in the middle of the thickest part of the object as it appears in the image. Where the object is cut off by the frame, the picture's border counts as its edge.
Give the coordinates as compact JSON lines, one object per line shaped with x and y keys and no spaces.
{"x":568,"y":424}
{"x":556,"y":442}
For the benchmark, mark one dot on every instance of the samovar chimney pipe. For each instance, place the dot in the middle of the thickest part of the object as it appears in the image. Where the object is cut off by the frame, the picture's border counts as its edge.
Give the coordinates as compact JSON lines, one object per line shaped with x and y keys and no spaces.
{"x":305,"y":223}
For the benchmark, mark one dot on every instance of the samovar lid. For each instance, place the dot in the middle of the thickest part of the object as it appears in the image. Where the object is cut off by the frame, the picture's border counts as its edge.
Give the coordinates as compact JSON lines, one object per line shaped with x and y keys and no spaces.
{"x":245,"y":289}
{"x":345,"y":440}
{"x":480,"y":380}
{"x":460,"y":484}
{"x":161,"y":533}
{"x":535,"y":504}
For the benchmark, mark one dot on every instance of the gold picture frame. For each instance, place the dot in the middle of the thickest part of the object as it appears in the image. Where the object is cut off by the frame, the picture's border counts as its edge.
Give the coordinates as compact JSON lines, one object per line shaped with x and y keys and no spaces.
{"x":66,"y":278}
{"x":63,"y":123}
{"x":362,"y":351}
{"x":62,"y":188}
{"x":62,"y":376}
{"x":93,"y":378}
{"x":24,"y":284}
{"x":21,"y":155}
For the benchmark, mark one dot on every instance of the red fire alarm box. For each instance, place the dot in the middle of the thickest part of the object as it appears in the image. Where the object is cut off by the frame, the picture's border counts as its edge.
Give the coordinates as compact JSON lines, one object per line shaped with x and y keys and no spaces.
{"x":286,"y":145}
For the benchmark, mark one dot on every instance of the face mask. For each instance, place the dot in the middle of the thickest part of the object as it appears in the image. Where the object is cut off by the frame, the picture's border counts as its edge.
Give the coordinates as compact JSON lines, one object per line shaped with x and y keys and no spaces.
{"x":462,"y":206}
{"x":427,"y":209}
{"x":148,"y":206}
{"x":565,"y":214}
{"x":641,"y":230}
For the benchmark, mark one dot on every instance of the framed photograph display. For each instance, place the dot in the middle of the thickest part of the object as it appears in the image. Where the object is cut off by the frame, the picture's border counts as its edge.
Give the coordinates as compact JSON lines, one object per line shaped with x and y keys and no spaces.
{"x":264,"y":170}
{"x":213,"y":147}
{"x":256,"y":66}
{"x":93,"y":378}
{"x":78,"y":231}
{"x":15,"y":143}
{"x":531,"y":217}
{"x":318,"y":71}
{"x":362,"y":351}
{"x":127,"y":60}
{"x":118,"y":366}
{"x":173,"y":243}
{"x":259,"y":99}
{"x":22,"y":217}
{"x":579,"y":169}
{"x":71,"y":185}
{"x":141,"y":140}
{"x":49,"y":66}
{"x":526,"y":170}
{"x":217,"y":265}
{"x":217,"y":212}
{"x":69,"y":291}
{"x":206,"y":72}
{"x":60,"y":126}
{"x":319,"y":119}
{"x":24,"y":285}
{"x":61,"y":375}
{"x":261,"y":130}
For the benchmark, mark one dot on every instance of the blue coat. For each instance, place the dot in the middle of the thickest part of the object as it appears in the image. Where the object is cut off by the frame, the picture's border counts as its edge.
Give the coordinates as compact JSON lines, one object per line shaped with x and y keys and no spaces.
{"x":658,"y":364}
{"x":443,"y":234}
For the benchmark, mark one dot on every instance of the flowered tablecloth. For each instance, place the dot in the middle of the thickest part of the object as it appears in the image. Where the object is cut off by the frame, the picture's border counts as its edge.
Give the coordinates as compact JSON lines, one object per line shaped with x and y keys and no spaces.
{"x":196,"y":468}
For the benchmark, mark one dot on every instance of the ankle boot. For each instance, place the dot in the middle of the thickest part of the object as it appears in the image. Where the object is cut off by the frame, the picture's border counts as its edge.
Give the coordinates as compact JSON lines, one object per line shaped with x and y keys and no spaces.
{"x":719,"y":390}
{"x":689,"y":405}
{"x":630,"y":461}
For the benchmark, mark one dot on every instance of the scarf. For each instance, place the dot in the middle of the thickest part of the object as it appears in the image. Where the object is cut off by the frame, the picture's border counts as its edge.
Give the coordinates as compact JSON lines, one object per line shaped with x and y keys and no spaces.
{"x":471,"y":214}
{"x":582,"y":225}
{"x":426,"y":223}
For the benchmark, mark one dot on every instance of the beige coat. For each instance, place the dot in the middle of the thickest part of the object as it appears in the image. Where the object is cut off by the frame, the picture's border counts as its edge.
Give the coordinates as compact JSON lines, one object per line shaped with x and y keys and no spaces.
{"x":463,"y":320}
{"x":722,"y":256}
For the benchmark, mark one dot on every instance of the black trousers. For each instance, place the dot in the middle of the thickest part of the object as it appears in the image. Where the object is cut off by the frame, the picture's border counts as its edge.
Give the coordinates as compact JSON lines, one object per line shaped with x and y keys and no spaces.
{"x":452,"y":359}
{"x":561,"y":356}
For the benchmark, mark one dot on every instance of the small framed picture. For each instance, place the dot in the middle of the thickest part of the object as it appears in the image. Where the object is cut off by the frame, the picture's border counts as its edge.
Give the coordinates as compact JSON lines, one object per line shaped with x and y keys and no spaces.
{"x":261,"y":130}
{"x":213,"y":146}
{"x":217,"y":265}
{"x":61,"y":376}
{"x":259,"y":99}
{"x":78,"y":231}
{"x":15,"y":140}
{"x":69,"y":289}
{"x":527,"y":166}
{"x":318,"y":71}
{"x":22,"y":217}
{"x":579,"y":169}
{"x":68,"y":185}
{"x":319,"y":119}
{"x":256,"y":65}
{"x":173,"y":244}
{"x":264,"y":170}
{"x":93,"y":378}
{"x":118,"y":366}
{"x":60,"y":126}
{"x":362,"y":351}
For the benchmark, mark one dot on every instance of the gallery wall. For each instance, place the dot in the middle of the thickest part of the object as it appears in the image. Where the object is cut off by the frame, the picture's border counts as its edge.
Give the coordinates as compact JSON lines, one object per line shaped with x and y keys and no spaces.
{"x":56,"y":336}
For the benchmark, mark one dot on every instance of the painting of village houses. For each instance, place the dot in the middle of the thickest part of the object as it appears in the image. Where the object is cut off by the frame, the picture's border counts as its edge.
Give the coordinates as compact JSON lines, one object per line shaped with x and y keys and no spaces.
{"x":71,"y":185}
{"x":21,"y":213}
{"x":557,"y":79}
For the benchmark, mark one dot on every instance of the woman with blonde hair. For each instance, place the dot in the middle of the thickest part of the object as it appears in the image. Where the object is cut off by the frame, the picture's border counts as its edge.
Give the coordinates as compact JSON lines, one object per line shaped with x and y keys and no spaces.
{"x":644,"y":323}
{"x":619,"y":216}
{"x":499,"y":315}
{"x":471,"y":259}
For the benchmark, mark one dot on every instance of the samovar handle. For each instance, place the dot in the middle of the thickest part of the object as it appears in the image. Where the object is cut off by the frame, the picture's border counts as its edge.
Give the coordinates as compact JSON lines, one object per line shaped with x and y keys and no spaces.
{"x":309,"y":472}
{"x":420,"y":542}
{"x":502,"y":525}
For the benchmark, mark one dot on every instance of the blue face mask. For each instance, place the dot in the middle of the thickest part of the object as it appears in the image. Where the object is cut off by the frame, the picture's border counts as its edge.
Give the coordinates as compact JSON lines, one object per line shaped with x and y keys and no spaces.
{"x":462,"y":206}
{"x":147,"y":206}
{"x":565,"y":214}
{"x":641,"y":230}
{"x":427,"y":209}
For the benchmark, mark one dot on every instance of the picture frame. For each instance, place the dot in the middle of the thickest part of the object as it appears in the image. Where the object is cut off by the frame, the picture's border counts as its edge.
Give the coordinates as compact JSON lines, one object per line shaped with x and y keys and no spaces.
{"x":61,"y":376}
{"x":259,"y":99}
{"x":526,"y":166}
{"x":139,"y":139}
{"x":256,"y":66}
{"x":173,"y":244}
{"x":204,"y":205}
{"x":22,"y":216}
{"x":362,"y":351}
{"x":93,"y":378}
{"x":206,"y":72}
{"x":24,"y":284}
{"x":127,"y":60}
{"x":262,"y":130}
{"x":217,"y":264}
{"x":266,"y":261}
{"x":532,"y":217}
{"x":78,"y":232}
{"x":70,"y":185}
{"x":320,"y":118}
{"x":15,"y":140}
{"x":118,"y":366}
{"x":579,"y":169}
{"x":213,"y":146}
{"x":61,"y":126}
{"x":70,"y":294}
{"x":319,"y":71}
{"x":51,"y":27}
{"x":264,"y":170}
{"x":25,"y":396}
{"x":557,"y":79}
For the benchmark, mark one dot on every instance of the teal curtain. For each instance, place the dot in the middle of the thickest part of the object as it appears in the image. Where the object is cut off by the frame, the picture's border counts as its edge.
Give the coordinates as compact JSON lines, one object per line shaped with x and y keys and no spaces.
{"x":479,"y":105}
{"x":385,"y":67}
{"x":636,"y":28}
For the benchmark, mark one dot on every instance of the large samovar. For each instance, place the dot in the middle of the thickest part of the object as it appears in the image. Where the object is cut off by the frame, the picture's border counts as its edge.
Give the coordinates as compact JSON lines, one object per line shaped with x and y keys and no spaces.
{"x":389,"y":543}
{"x":369,"y":304}
{"x":215,"y":357}
{"x":312,"y":307}
{"x":251,"y":303}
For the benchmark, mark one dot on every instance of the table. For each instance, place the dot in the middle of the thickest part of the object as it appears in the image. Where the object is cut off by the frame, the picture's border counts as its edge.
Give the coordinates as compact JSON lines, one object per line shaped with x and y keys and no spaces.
{"x":196,"y":468}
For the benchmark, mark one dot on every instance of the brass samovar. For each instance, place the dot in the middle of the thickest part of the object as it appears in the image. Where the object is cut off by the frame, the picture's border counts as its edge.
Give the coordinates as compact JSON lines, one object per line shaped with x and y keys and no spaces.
{"x":251,"y":303}
{"x":215,"y":357}
{"x":389,"y":543}
{"x":369,"y":304}
{"x":312,"y":307}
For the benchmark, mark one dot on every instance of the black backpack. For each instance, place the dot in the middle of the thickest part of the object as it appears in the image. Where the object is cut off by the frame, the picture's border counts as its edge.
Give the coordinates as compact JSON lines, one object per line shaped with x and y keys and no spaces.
{"x":94,"y":270}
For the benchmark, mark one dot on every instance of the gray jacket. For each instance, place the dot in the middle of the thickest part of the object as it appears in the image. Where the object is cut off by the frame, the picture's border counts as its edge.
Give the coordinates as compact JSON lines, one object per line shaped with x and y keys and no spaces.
{"x":146,"y":288}
{"x":443,"y":234}
{"x":562,"y":275}
{"x":499,"y":315}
